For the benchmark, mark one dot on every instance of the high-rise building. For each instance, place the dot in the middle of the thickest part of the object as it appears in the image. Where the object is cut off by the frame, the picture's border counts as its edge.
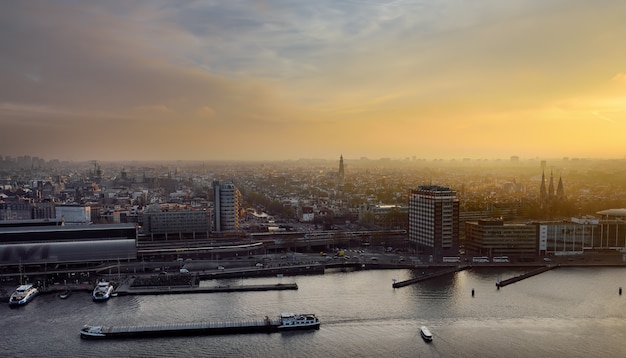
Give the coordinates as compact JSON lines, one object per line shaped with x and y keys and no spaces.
{"x":434,"y":219}
{"x":227,"y":199}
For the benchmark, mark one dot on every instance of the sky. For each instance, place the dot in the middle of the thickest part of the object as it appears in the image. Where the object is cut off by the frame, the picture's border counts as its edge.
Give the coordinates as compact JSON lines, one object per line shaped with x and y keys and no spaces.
{"x":283,"y":80}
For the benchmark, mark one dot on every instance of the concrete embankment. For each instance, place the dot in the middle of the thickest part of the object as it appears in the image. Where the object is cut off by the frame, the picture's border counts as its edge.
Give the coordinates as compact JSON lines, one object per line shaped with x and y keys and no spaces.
{"x":287,"y":270}
{"x":429,"y":276}
{"x":162,"y":290}
{"x":525,"y":276}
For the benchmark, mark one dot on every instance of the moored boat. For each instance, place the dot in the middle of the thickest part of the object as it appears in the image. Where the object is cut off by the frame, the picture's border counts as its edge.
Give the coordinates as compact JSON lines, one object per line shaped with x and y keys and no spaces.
{"x":102,"y":291}
{"x":286,"y":321}
{"x":22,"y":295}
{"x":425,"y":333}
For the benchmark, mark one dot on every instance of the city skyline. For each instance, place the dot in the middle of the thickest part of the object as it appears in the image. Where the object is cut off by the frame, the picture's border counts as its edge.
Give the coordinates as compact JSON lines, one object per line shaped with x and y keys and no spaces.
{"x":278,"y":80}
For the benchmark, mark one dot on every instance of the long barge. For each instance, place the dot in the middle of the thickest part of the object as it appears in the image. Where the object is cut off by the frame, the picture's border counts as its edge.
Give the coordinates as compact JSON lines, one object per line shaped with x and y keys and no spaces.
{"x":286,"y":322}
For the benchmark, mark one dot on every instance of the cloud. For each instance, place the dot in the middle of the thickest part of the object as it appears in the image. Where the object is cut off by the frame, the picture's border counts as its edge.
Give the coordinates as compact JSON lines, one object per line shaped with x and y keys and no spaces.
{"x":620,"y":77}
{"x":305,"y":74}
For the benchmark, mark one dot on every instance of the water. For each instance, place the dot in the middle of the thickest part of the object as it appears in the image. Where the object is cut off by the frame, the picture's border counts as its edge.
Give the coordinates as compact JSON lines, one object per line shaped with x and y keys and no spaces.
{"x":567,"y":312}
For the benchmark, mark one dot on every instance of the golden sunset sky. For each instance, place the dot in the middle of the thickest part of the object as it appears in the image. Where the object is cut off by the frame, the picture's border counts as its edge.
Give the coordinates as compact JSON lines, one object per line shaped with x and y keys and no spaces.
{"x":277,"y":80}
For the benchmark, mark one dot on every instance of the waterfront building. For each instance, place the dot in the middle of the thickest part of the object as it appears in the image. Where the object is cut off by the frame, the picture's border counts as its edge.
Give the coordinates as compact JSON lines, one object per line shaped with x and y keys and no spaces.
{"x":434,"y":219}
{"x":226,"y":204}
{"x":177,"y":223}
{"x":46,"y":242}
{"x":492,"y":237}
{"x":583,"y":235}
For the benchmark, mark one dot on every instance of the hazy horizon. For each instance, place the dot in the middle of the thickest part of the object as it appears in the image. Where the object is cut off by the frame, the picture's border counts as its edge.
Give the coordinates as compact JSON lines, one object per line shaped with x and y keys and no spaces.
{"x":267,"y":81}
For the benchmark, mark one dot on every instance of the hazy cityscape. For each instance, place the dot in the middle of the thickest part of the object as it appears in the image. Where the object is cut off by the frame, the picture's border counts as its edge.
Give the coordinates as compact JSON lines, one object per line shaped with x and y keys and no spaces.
{"x":391,"y":178}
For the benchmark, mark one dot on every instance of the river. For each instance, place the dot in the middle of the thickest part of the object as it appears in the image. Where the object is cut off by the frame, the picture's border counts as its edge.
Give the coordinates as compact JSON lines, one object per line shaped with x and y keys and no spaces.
{"x":566,"y":312}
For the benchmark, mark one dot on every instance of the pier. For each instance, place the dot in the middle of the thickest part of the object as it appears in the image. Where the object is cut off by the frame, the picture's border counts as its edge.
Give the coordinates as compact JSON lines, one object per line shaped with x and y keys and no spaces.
{"x":525,"y":276}
{"x":162,"y":290}
{"x":429,"y":276}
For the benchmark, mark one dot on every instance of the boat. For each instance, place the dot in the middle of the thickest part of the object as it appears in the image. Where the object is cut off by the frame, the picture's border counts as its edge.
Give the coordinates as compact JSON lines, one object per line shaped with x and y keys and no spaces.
{"x":291,"y":321}
{"x":102,"y":291}
{"x":65,"y":294}
{"x":22,"y":295}
{"x":286,"y":322}
{"x":425,"y":333}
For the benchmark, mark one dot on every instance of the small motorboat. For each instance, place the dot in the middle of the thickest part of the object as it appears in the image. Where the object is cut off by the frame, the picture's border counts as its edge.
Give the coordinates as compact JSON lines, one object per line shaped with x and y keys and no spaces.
{"x":425,"y":333}
{"x":65,"y":294}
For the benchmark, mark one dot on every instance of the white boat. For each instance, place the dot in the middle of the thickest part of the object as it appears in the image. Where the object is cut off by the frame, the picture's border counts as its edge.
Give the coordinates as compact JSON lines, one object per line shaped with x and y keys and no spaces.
{"x":102,"y":291}
{"x":425,"y":333}
{"x":65,"y":294}
{"x":289,"y":321}
{"x":22,"y":295}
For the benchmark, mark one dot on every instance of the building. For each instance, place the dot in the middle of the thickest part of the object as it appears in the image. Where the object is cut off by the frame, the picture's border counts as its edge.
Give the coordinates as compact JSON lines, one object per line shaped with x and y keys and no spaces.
{"x":341,"y":174}
{"x":380,"y":213}
{"x":434,"y":219}
{"x":227,"y":200}
{"x":308,"y":214}
{"x":178,"y":223}
{"x":492,"y":237}
{"x":583,"y":235}
{"x":33,"y":243}
{"x":74,"y":214}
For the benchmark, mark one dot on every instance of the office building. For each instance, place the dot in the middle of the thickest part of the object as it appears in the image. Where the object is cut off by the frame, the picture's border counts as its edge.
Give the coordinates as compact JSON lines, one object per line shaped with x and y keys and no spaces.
{"x":227,"y":200}
{"x":492,"y":237}
{"x":434,"y":219}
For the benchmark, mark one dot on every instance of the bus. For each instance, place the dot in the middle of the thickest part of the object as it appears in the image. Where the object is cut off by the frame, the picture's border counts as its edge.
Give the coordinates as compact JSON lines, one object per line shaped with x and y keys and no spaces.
{"x":455,"y":259}
{"x":501,"y":259}
{"x":480,"y":259}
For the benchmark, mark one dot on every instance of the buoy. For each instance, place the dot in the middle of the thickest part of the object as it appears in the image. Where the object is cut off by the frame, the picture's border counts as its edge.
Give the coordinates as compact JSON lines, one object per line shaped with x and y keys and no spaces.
{"x":472,"y":292}
{"x":620,"y":291}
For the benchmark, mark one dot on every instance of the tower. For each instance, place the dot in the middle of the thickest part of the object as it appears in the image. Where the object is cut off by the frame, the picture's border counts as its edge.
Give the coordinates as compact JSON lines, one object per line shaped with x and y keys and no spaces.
{"x":227,"y":199}
{"x":560,"y":192}
{"x":542,"y":191}
{"x":551,"y":187}
{"x":341,"y":173}
{"x":434,"y":219}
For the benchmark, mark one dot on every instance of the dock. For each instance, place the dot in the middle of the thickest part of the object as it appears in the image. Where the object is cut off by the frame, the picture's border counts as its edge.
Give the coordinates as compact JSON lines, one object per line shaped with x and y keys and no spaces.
{"x":429,"y":276}
{"x":525,"y":275}
{"x":162,"y":290}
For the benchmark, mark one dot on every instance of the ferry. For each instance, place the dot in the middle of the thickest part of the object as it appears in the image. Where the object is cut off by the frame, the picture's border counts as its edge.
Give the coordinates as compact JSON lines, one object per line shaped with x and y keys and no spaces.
{"x":22,"y":295}
{"x":290,"y":321}
{"x":425,"y":333}
{"x":286,"y":321}
{"x":102,"y":291}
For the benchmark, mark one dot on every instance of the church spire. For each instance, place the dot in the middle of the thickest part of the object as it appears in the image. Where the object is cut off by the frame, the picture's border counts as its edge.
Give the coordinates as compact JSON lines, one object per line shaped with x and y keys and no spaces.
{"x":560,"y":193}
{"x":341,"y":173}
{"x":551,"y":187}
{"x":542,"y":191}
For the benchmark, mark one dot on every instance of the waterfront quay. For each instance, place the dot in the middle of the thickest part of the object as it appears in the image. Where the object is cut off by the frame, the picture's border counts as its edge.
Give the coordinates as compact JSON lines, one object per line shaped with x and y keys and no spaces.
{"x":429,"y":276}
{"x":525,"y":275}
{"x":163,"y":277}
